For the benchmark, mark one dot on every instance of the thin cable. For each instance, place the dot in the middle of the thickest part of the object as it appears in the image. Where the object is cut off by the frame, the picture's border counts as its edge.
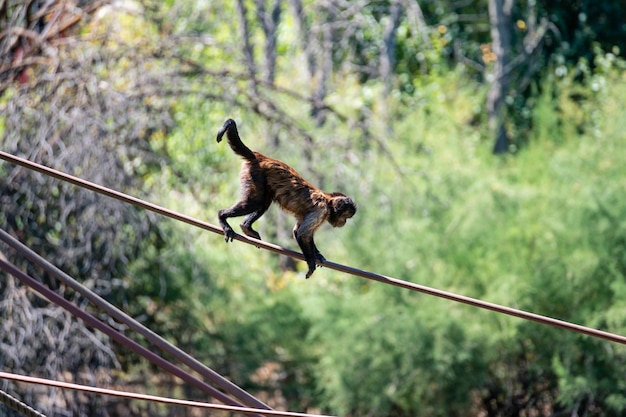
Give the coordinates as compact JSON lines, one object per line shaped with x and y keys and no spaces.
{"x":146,"y":397}
{"x":17,"y":405}
{"x":124,"y":318}
{"x":114,"y":334}
{"x":349,"y":270}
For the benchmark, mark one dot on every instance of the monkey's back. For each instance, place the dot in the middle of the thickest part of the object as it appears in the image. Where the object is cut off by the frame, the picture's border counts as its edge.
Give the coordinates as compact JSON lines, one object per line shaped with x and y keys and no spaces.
{"x":287,"y":187}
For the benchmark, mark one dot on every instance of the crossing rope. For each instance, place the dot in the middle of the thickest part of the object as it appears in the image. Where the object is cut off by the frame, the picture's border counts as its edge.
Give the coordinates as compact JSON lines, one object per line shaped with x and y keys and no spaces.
{"x":119,"y":337}
{"x":133,"y":324}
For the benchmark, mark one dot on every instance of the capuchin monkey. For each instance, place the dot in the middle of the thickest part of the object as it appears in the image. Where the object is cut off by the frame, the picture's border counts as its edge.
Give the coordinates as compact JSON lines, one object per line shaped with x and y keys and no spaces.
{"x":264,"y":180}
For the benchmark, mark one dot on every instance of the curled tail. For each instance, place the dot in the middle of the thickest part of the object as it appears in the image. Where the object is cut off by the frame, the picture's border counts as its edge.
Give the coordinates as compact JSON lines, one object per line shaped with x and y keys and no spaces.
{"x":230,"y":128}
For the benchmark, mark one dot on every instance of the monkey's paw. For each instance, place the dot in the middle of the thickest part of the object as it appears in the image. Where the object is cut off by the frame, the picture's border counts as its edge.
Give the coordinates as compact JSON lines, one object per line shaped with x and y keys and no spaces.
{"x":310,"y":272}
{"x":250,"y":231}
{"x":229,"y":235}
{"x":320,"y":258}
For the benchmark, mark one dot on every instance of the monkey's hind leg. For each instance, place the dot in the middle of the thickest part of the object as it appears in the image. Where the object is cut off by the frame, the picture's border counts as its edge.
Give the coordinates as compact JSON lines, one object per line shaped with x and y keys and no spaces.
{"x":246,"y":225}
{"x":240,"y":208}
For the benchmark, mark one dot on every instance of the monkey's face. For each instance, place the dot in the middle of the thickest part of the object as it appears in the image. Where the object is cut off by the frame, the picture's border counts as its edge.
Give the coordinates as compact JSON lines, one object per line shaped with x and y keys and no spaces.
{"x":343,"y":219}
{"x":343,"y":209}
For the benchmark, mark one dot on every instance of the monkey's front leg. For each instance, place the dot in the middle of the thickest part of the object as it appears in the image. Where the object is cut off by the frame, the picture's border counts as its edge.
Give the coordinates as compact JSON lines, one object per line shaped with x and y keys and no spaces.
{"x":318,"y":255}
{"x":312,"y":266}
{"x":320,"y":258}
{"x":311,"y":255}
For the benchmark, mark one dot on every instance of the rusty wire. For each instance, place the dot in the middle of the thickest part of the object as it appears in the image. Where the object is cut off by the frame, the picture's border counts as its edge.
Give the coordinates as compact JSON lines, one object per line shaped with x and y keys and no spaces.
{"x":133,"y":324}
{"x":17,"y":405}
{"x":146,"y":397}
{"x":122,"y":339}
{"x":612,"y":337}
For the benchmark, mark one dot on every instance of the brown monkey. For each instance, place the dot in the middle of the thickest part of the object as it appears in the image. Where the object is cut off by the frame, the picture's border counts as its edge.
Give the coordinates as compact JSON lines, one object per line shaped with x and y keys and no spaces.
{"x":264,"y":180}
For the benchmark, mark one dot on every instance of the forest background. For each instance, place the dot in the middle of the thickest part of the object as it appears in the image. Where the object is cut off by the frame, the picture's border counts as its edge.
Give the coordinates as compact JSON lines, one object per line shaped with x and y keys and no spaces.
{"x":482,"y":139}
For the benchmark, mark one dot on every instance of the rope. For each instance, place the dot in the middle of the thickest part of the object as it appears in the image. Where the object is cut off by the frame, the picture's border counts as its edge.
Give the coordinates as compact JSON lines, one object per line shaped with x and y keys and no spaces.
{"x":145,"y":397}
{"x":124,"y":318}
{"x":114,"y":334}
{"x":17,"y":405}
{"x":338,"y":267}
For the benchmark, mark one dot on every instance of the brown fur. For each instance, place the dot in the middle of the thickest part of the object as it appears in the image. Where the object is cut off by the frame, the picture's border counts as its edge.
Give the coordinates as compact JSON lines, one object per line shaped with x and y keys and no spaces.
{"x":264,"y":180}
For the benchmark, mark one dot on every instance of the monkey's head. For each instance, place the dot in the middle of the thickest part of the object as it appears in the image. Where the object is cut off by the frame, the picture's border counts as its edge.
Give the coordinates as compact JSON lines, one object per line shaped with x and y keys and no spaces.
{"x":342,"y":208}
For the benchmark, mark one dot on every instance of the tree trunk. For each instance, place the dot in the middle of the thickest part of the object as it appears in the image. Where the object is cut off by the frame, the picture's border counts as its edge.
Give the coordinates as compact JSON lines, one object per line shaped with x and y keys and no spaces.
{"x":388,"y":47}
{"x":500,"y":20}
{"x":248,"y":51}
{"x":269,"y":20}
{"x":304,"y":33}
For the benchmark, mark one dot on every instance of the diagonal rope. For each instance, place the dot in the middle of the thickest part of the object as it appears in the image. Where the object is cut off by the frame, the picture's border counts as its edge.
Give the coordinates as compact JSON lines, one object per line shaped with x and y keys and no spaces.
{"x":124,"y":318}
{"x":349,"y":270}
{"x":124,"y":340}
{"x":17,"y":405}
{"x":145,"y":397}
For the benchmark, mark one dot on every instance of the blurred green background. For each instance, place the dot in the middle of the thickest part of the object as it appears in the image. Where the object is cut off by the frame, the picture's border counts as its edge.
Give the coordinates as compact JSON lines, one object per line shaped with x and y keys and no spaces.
{"x":483,"y":141}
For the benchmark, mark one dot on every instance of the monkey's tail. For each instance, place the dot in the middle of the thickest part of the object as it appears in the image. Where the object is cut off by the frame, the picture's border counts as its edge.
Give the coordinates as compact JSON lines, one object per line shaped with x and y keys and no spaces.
{"x":230,"y":128}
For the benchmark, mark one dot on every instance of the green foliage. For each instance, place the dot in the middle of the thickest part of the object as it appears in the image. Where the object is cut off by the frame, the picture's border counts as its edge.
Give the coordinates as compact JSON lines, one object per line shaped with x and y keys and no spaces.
{"x":224,"y":314}
{"x":393,"y":354}
{"x":586,"y":23}
{"x":541,"y":231}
